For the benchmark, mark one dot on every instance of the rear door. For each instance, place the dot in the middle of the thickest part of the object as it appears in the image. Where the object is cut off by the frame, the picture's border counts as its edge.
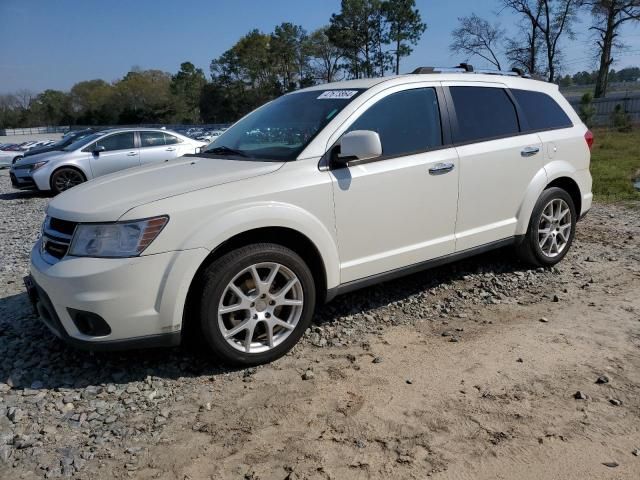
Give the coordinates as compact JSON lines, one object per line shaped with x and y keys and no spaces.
{"x":157,"y":147}
{"x":120,"y":152}
{"x":498,"y":161}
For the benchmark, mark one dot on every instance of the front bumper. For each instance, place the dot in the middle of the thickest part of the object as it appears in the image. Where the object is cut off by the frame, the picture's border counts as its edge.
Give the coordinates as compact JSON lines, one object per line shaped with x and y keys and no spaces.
{"x":22,"y":181}
{"x":141,"y":299}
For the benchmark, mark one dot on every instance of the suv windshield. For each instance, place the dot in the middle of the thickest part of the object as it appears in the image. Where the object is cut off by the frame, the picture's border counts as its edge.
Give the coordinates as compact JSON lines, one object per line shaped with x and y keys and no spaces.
{"x":82,"y":142}
{"x":281,"y":130}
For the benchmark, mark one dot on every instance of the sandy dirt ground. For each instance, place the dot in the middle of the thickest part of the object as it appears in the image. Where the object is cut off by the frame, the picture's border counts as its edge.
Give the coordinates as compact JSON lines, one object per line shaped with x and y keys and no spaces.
{"x":468,"y":371}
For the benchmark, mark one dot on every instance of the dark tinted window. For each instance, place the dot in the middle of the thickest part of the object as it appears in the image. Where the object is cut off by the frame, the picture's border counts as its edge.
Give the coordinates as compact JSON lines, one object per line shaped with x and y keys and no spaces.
{"x":119,"y":141}
{"x":151,"y":139}
{"x":407,"y":122}
{"x":170,"y":139}
{"x":483,"y":113}
{"x":542,"y":111}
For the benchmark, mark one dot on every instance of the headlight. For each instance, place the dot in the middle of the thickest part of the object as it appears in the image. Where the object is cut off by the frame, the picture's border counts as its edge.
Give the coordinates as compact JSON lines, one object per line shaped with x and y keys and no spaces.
{"x":37,"y":165}
{"x":116,"y":240}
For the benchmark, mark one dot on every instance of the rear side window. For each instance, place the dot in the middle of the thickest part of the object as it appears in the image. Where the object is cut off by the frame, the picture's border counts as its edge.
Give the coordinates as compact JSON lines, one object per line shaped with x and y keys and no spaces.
{"x":541,"y":111}
{"x":407,"y":122}
{"x":151,"y":139}
{"x":170,"y":139}
{"x":119,"y":141}
{"x":483,"y":113}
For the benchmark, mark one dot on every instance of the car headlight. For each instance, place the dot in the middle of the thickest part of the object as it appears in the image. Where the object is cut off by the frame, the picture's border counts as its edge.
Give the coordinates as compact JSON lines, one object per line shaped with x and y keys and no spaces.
{"x":37,"y":165}
{"x":116,"y":240}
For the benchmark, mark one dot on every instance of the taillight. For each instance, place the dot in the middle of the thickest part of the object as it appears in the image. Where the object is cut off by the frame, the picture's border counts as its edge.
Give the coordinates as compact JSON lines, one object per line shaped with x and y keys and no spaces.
{"x":589,"y":138}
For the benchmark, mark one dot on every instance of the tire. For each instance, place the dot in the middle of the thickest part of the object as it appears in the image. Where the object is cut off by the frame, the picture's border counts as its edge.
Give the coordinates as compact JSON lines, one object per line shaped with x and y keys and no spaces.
{"x":230,"y":282}
{"x":66,"y":178}
{"x":16,"y":159}
{"x":550,"y":222}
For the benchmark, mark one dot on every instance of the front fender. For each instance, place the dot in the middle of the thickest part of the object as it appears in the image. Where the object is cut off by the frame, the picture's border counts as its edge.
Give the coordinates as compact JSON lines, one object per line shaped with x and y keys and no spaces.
{"x":213,"y":232}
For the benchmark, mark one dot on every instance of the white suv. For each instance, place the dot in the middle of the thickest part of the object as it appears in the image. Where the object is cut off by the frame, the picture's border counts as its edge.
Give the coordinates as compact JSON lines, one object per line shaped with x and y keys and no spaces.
{"x":315,"y":194}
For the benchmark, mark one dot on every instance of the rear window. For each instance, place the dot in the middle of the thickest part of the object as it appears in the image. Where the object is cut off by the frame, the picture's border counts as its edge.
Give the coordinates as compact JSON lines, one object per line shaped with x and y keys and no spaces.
{"x":541,"y":111}
{"x":483,"y":113}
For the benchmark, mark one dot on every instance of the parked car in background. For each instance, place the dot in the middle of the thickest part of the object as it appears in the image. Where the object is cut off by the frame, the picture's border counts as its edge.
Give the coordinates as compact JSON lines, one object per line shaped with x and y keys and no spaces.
{"x":65,"y":141}
{"x":11,"y":153}
{"x":318,"y":193}
{"x":98,"y":154}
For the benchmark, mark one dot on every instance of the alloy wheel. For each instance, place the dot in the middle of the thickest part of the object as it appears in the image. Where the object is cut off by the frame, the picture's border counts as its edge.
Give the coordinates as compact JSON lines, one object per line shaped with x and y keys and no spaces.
{"x":66,"y":179}
{"x":554,"y":228}
{"x":260,"y":307}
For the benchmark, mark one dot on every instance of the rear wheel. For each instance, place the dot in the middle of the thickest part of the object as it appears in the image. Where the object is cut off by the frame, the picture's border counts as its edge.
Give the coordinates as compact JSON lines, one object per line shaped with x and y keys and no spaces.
{"x":257,"y":302}
{"x":551,"y":229}
{"x":66,"y":178}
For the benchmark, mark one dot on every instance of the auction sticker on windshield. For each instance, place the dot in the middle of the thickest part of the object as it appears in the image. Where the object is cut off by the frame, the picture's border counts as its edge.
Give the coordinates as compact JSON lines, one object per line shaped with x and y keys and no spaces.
{"x":338,"y":94}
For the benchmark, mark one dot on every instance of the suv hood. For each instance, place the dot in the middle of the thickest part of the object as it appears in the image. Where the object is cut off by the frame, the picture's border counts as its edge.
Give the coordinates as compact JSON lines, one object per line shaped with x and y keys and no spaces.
{"x":107,"y":198}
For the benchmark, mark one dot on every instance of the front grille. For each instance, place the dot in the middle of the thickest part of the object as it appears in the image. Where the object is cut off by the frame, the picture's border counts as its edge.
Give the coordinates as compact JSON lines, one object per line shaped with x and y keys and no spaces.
{"x":56,"y":236}
{"x":62,"y":226}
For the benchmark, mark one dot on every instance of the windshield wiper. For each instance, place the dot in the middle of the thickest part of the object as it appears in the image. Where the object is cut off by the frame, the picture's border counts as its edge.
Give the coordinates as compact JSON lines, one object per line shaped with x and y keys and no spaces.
{"x":226,"y":151}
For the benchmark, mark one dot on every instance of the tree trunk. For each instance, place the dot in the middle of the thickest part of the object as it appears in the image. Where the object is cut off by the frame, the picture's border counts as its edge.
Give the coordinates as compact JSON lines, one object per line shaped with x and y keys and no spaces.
{"x":602,"y":81}
{"x":398,"y":56}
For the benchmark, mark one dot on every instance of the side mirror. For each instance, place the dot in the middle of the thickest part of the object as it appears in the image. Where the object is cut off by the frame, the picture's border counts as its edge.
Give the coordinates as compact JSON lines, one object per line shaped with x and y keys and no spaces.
{"x":358,"y":146}
{"x":96,"y":150}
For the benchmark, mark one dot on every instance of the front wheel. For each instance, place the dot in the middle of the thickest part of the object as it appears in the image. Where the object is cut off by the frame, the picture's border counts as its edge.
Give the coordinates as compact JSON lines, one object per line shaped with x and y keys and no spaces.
{"x":66,"y":178}
{"x":551,"y":229}
{"x":257,"y":302}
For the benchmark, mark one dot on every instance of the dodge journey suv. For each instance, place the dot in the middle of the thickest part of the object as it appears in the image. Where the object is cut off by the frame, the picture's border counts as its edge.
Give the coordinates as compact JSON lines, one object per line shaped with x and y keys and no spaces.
{"x":315,"y":194}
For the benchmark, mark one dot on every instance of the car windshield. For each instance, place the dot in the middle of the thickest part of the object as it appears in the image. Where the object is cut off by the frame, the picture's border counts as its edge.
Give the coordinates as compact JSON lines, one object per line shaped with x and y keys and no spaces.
{"x":82,"y":142}
{"x":281,"y":130}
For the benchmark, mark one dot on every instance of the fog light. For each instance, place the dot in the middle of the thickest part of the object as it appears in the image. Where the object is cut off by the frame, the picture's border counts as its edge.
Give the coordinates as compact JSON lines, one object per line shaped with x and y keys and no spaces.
{"x":89,"y":323}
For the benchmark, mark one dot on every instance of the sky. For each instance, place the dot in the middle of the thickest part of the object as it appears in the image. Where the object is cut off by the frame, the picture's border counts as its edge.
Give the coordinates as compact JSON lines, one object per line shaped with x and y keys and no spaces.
{"x":54,"y":44}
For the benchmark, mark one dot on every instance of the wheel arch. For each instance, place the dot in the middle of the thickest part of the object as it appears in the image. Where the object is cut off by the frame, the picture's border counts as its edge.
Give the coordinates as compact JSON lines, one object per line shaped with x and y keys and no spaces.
{"x":285,"y":236}
{"x":57,"y":168}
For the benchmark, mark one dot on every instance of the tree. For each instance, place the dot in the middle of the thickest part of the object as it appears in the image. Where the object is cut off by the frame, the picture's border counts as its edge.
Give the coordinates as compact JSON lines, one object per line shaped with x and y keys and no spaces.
{"x":51,"y":107}
{"x":552,"y":19}
{"x":587,"y":110}
{"x":92,"y":102}
{"x":144,"y":96}
{"x":608,"y":17}
{"x":186,"y":87}
{"x":523,"y":51}
{"x":477,"y":37}
{"x":287,"y":48}
{"x":405,"y":27}
{"x":325,"y":56}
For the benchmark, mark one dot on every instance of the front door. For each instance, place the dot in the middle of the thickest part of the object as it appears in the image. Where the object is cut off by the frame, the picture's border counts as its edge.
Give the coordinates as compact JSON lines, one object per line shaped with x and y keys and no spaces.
{"x":400,"y":209}
{"x":119,"y":153}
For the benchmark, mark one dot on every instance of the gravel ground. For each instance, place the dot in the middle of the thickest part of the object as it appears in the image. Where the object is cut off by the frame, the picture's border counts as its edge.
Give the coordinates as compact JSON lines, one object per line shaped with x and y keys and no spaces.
{"x":482,"y":369}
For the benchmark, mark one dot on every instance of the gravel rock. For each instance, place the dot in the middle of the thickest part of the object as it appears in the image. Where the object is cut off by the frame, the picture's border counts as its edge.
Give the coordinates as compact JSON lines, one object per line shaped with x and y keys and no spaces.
{"x":580,"y":396}
{"x":308,"y":375}
{"x":603,"y":379}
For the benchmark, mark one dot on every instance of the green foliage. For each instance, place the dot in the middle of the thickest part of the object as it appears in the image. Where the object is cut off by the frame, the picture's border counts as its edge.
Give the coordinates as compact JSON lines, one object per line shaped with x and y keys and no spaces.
{"x":615,"y":164}
{"x":587,"y":110}
{"x":620,"y":119}
{"x":186,"y":87}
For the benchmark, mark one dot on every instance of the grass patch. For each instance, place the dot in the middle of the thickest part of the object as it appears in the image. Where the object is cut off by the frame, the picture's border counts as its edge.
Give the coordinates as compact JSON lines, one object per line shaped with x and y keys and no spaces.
{"x":615,"y":164}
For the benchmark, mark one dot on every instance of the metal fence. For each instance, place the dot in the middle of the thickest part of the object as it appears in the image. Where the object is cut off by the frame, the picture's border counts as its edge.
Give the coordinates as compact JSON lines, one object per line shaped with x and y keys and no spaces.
{"x":604,"y":107}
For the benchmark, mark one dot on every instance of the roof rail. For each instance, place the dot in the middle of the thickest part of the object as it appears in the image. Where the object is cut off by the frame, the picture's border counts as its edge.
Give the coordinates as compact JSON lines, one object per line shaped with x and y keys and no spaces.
{"x":466,"y":68}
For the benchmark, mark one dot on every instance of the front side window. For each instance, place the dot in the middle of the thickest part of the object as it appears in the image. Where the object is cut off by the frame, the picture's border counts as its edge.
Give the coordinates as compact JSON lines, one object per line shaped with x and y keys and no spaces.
{"x":119,"y":141}
{"x":407,"y":122}
{"x":151,"y":139}
{"x":542,"y":111}
{"x":282,"y":129}
{"x":483,"y":113}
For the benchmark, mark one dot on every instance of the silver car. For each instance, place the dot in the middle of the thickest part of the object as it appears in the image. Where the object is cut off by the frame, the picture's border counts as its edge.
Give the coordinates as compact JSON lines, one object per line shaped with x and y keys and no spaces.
{"x":103,"y":152}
